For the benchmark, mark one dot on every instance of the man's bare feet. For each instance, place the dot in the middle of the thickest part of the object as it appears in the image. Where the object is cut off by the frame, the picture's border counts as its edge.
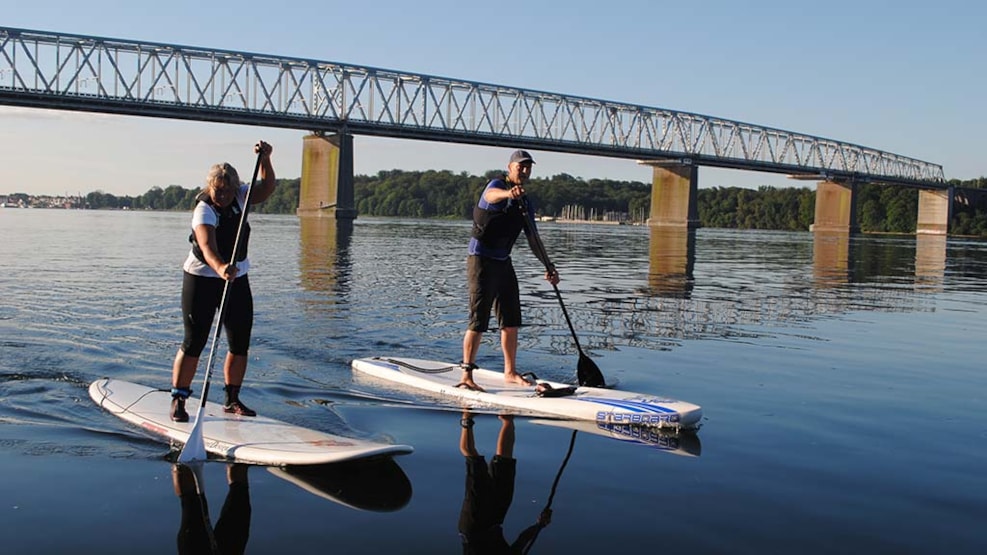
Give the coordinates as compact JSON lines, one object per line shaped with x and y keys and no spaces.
{"x":468,"y":382}
{"x":517,"y":379}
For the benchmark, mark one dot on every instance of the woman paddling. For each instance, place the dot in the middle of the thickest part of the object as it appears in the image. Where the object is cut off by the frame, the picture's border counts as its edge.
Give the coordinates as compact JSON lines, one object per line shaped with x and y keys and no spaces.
{"x":209,"y":265}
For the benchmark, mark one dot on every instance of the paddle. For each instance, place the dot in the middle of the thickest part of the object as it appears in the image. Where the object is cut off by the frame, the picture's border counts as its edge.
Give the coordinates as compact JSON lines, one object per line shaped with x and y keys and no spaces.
{"x":195,"y":448}
{"x":551,"y":496}
{"x":200,"y":493}
{"x":587,"y":372}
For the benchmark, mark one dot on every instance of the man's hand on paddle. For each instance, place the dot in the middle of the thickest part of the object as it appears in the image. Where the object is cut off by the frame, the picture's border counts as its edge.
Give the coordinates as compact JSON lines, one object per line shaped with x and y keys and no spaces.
{"x":552,"y":276}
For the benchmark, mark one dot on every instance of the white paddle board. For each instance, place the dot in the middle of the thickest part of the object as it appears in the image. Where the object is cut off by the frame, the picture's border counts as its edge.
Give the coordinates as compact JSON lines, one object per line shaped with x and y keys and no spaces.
{"x":586,"y":403}
{"x":255,"y":440}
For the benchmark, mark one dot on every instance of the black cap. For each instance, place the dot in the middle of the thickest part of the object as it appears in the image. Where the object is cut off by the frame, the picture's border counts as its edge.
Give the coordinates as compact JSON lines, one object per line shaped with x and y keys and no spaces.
{"x":521,"y":156}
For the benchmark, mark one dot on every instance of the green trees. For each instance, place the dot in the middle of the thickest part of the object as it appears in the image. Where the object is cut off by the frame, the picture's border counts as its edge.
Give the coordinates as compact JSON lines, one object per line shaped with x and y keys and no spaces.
{"x":417,"y":194}
{"x":284,"y":199}
{"x":887,"y":208}
{"x":970,"y":215}
{"x":765,"y":208}
{"x":443,"y":194}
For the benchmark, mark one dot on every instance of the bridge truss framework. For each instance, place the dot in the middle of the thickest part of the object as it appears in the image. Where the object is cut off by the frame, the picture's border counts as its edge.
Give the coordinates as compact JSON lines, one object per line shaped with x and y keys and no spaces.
{"x":74,"y":72}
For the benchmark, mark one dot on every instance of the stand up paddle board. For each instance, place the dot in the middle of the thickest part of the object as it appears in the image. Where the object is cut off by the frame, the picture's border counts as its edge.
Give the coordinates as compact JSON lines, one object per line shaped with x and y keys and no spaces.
{"x":584,"y":403}
{"x":255,"y":440}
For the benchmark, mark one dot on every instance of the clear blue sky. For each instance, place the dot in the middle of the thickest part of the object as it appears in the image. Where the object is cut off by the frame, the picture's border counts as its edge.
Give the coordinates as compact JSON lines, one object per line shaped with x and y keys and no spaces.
{"x":903,"y":76}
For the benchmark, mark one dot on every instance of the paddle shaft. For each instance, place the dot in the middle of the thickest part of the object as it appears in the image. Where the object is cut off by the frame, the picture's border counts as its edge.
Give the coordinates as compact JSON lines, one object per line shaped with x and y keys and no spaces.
{"x":555,"y":485}
{"x":194,"y":448}
{"x":542,"y":254}
{"x":226,"y":288}
{"x":200,"y":493}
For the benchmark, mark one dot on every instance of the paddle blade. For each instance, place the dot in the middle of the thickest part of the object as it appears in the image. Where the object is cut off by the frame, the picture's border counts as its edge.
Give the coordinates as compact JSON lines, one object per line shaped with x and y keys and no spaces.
{"x":195,"y":446}
{"x":588,"y":373}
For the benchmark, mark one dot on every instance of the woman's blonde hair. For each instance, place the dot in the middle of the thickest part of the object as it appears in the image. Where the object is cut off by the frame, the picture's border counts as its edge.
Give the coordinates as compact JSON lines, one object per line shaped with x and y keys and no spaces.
{"x":220,"y":175}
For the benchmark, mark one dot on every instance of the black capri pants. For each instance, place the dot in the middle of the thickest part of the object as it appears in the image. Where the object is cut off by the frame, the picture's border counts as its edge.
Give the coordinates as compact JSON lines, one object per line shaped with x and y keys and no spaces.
{"x":200,"y":301}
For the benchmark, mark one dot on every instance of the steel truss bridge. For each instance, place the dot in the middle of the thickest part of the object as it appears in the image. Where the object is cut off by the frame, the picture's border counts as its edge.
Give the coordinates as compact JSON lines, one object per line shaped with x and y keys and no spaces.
{"x":95,"y":74}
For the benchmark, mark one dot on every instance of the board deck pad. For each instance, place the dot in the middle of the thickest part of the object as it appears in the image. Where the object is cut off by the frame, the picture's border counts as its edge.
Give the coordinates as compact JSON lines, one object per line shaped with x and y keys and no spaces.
{"x":255,"y":440}
{"x":586,"y":403}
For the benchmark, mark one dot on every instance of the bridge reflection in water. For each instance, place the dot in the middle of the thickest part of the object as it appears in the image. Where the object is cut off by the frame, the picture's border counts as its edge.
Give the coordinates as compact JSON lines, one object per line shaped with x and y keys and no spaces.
{"x":672,"y":256}
{"x":745,"y":282}
{"x":930,"y":261}
{"x":324,"y":257}
{"x":839,"y":259}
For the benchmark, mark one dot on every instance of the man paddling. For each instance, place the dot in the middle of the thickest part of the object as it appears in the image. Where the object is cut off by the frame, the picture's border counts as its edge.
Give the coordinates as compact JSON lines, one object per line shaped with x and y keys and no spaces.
{"x":498,"y":219}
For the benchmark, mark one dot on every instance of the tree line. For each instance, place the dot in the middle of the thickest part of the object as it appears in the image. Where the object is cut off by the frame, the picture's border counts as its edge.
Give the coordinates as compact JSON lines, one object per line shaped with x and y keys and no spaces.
{"x":444,"y":194}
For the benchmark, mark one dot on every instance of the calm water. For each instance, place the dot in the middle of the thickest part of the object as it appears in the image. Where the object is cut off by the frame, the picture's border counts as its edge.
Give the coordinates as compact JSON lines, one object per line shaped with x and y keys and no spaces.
{"x":843,"y":386}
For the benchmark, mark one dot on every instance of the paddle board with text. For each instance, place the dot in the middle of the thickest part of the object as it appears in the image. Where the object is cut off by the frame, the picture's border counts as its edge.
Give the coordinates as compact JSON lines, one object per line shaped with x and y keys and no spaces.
{"x":585,"y":403}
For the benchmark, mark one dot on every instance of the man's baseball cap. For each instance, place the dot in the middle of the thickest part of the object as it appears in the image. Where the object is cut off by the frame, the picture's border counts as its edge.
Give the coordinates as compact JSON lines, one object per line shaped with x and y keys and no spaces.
{"x":521,"y":156}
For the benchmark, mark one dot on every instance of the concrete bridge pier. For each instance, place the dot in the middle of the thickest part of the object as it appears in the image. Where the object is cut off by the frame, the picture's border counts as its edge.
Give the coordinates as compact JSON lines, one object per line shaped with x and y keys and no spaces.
{"x":327,"y":177}
{"x":935,"y":209}
{"x":674,"y":194}
{"x":836,"y":208}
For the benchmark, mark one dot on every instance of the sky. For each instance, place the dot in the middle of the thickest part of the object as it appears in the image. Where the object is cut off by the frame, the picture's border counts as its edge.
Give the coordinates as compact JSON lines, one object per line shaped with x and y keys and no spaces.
{"x":902,"y":76}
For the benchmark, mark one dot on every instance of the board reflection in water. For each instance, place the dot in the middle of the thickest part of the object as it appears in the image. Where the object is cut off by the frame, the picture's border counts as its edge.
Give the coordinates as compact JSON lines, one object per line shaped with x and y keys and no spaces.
{"x":375,"y":484}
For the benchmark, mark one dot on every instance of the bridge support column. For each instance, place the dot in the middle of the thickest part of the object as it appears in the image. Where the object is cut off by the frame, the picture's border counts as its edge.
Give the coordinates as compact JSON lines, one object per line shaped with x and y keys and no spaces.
{"x":935,"y":209}
{"x":327,"y":177}
{"x":674,"y":192}
{"x":836,"y":208}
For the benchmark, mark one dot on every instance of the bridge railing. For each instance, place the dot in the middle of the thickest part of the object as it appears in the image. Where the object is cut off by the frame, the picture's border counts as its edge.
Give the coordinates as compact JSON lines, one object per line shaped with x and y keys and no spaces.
{"x":64,"y":71}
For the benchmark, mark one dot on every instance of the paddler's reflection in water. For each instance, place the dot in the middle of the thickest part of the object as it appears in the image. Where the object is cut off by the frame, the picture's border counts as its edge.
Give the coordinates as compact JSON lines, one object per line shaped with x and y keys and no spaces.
{"x":196,"y":535}
{"x":489,"y":492}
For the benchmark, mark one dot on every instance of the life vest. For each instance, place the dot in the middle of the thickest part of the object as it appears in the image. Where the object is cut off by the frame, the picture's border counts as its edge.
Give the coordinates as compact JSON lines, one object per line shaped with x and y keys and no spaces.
{"x":498,"y":229}
{"x":228,"y":220}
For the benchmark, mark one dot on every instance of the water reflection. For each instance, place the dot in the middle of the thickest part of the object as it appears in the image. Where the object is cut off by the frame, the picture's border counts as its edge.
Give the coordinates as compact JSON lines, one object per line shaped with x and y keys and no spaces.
{"x":930,"y":261}
{"x":196,"y":534}
{"x":324,"y":259}
{"x":489,"y":488}
{"x":724,"y":283}
{"x":672,"y":258}
{"x":490,"y":492}
{"x":676,"y":442}
{"x":630,"y":285}
{"x":831,"y":256}
{"x":375,"y":484}
{"x":839,"y":259}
